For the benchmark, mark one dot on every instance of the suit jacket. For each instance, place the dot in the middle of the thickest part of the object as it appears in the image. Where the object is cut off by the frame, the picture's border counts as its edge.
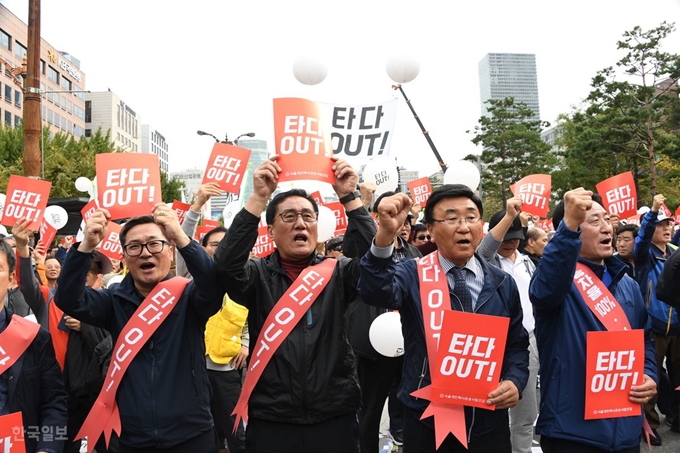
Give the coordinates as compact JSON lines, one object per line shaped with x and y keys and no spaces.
{"x":36,"y":389}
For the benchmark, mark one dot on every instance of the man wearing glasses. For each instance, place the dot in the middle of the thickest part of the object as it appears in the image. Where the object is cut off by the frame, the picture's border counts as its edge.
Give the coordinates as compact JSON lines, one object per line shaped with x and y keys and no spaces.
{"x":453,"y":215}
{"x":307,"y":395}
{"x":163,"y":393}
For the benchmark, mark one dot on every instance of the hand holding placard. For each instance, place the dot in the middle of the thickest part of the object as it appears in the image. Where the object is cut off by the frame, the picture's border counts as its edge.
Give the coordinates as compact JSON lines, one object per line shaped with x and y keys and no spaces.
{"x":22,"y":235}
{"x":95,"y":230}
{"x":346,"y":177}
{"x":505,"y":396}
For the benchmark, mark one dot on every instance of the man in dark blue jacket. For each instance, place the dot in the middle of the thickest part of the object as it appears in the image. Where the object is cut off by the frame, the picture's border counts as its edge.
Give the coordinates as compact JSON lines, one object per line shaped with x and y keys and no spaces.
{"x":164,"y":397}
{"x":562,"y":322}
{"x":453,"y":216}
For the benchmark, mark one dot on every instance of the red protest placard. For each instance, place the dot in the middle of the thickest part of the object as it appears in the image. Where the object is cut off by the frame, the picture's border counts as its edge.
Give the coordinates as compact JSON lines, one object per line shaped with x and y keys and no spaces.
{"x":302,"y":141}
{"x":88,"y":209}
{"x":420,"y":190}
{"x":264,"y":245}
{"x":340,"y":217}
{"x":677,"y":215}
{"x":110,"y":245}
{"x":47,"y":233}
{"x":615,"y":361}
{"x":211,"y":223}
{"x":201,"y":231}
{"x":128,"y":186}
{"x":226,"y":167}
{"x":634,"y":220}
{"x":619,"y":195}
{"x":181,"y":209}
{"x":546,"y":224}
{"x":317,"y":198}
{"x":663,"y":209}
{"x":12,"y":433}
{"x":26,"y":199}
{"x":469,"y":358}
{"x":535,"y":193}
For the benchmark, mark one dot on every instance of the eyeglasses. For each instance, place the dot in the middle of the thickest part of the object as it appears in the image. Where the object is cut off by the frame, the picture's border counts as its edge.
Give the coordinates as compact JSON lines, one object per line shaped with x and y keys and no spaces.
{"x":423,"y":237}
{"x":470,"y":220}
{"x":153,"y":247}
{"x":292,"y":216}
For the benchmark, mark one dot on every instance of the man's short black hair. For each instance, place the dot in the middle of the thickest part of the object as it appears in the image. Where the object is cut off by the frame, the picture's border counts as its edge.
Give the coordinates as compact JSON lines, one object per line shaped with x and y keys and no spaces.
{"x":53,"y":258}
{"x":276,"y":201}
{"x":206,"y":237}
{"x":10,"y":256}
{"x":558,"y":212}
{"x":628,"y":227}
{"x":450,"y":191}
{"x":133,"y":222}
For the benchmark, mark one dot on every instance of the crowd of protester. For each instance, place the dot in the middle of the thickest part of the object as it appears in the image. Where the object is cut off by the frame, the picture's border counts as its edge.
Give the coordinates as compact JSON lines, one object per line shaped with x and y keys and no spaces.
{"x":199,"y":346}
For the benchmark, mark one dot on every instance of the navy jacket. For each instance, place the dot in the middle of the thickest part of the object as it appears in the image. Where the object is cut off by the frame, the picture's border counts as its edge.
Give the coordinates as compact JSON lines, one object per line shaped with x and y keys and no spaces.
{"x":164,"y":397}
{"x":562,"y":321}
{"x":387,"y":284}
{"x":36,"y":388}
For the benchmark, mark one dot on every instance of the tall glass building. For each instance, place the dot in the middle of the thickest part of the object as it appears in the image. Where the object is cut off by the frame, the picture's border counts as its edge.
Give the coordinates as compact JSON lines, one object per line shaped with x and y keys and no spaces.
{"x":509,"y":74}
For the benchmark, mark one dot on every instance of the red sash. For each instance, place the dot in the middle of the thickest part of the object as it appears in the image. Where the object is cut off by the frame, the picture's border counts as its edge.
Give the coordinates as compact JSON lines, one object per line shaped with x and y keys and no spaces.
{"x":155,"y":308}
{"x":280,"y":322}
{"x":435,"y":300}
{"x":15,"y":339}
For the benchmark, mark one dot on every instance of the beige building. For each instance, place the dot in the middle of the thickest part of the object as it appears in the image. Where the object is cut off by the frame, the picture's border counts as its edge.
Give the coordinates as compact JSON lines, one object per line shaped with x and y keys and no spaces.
{"x":105,"y":110}
{"x":61,"y":80}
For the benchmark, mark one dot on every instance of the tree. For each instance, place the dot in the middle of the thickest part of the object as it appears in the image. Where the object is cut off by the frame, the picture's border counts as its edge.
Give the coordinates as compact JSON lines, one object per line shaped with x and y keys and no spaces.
{"x":512,"y":148}
{"x":632,"y":111}
{"x":171,"y":188}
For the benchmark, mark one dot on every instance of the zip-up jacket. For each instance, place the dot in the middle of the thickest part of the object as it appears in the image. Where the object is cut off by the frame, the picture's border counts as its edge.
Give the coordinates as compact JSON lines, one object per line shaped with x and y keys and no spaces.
{"x":312,"y":375}
{"x":649,"y":262}
{"x":562,"y":322}
{"x":164,"y":397}
{"x":387,"y":284}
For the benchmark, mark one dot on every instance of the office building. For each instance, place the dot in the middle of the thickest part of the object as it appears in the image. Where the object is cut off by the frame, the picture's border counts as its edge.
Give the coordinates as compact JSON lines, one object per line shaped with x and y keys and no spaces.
{"x":153,"y":142}
{"x":61,"y":80}
{"x":105,"y":110}
{"x":503,"y":75}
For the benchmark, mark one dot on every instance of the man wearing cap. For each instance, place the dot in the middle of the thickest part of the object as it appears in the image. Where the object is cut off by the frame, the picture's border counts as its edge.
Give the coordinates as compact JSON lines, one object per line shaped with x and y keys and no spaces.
{"x":652,"y":249}
{"x":499,"y":248}
{"x":334,"y":246}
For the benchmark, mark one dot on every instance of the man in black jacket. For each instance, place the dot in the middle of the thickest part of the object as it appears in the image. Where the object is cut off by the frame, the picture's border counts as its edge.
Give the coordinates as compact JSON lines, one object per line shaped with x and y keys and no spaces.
{"x":307,"y":396}
{"x":33,"y":384}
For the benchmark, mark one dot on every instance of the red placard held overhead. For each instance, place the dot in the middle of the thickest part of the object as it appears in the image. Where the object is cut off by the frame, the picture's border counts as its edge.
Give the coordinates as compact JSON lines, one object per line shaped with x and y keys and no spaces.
{"x":128,"y":186}
{"x":88,"y":209}
{"x":677,"y":216}
{"x":303,"y":144}
{"x":110,"y":245}
{"x":340,"y":217}
{"x":26,"y":199}
{"x":663,"y":209}
{"x":317,"y":198}
{"x":201,"y":231}
{"x":181,"y":209}
{"x":615,"y":361}
{"x":420,"y":190}
{"x":47,"y":233}
{"x":619,"y":195}
{"x":469,"y":358}
{"x":226,"y":167}
{"x":535,"y":193}
{"x":264,"y":245}
{"x":211,"y":223}
{"x":546,"y":224}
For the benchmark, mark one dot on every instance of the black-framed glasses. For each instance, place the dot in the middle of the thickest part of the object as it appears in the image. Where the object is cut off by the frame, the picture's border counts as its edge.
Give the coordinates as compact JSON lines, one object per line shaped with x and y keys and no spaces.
{"x":290,"y":216}
{"x":470,"y":220}
{"x":153,"y":247}
{"x":423,"y":237}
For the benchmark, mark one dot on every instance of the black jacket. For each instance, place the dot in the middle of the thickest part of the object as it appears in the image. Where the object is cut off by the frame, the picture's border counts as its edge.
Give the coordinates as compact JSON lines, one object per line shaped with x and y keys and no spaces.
{"x":668,"y":285}
{"x":312,"y":376}
{"x":36,"y":388}
{"x":164,"y":397}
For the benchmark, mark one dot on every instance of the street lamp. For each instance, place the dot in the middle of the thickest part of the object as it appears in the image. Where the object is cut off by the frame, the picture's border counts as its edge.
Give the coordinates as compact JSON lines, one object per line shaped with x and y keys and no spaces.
{"x":226,"y":137}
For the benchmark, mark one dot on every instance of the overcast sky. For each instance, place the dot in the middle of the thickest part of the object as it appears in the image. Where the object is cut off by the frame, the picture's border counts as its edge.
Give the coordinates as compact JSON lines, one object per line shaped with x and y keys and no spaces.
{"x":216,"y":65}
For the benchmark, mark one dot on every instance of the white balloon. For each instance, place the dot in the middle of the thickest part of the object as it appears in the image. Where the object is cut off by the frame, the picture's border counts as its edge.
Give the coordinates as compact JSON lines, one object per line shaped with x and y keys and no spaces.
{"x":309,"y":71}
{"x":325,"y":224}
{"x":3,"y":230}
{"x":463,"y":172}
{"x":56,"y":216}
{"x":385,"y":334}
{"x":3,"y":197}
{"x":383,"y":173}
{"x":402,"y":69}
{"x":83,"y":184}
{"x":229,"y":212}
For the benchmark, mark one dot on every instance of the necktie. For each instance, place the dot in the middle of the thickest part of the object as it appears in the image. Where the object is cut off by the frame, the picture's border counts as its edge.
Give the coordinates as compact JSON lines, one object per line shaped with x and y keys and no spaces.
{"x":461,"y":289}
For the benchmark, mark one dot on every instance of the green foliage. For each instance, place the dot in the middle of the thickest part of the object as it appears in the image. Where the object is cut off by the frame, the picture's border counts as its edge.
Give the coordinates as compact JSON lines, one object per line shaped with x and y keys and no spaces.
{"x":171,"y":188}
{"x":512,"y":149}
{"x":629,"y":121}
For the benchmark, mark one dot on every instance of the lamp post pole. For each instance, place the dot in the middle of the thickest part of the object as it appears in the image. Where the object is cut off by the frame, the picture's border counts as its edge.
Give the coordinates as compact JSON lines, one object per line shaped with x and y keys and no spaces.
{"x":32,"y":159}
